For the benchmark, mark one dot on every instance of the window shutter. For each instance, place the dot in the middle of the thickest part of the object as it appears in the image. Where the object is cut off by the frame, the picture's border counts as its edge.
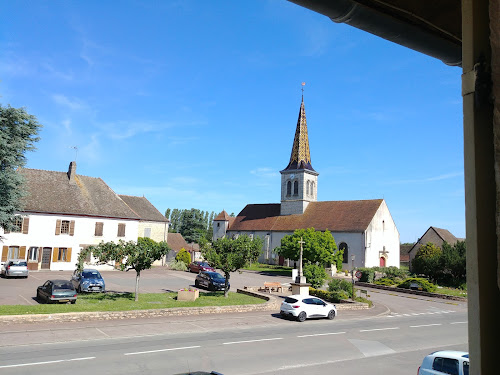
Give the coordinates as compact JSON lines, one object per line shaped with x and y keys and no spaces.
{"x":58,"y":227}
{"x":121,"y":230}
{"x":55,"y":254}
{"x":22,"y":252}
{"x":98,"y":229}
{"x":5,"y":252}
{"x":26,"y":225}
{"x":72,"y":228}
{"x":68,"y":255}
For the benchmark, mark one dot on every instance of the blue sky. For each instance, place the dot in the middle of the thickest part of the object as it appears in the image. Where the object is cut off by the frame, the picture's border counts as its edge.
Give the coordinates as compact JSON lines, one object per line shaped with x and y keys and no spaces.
{"x":194,"y":103}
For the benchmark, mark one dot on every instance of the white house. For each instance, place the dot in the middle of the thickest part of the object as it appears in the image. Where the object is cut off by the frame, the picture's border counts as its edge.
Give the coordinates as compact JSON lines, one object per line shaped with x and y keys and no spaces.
{"x":64,"y":213}
{"x":362,"y":228}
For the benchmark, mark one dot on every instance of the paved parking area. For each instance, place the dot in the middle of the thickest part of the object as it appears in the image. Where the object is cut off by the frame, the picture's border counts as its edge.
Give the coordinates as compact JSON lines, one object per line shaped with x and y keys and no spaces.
{"x":19,"y":291}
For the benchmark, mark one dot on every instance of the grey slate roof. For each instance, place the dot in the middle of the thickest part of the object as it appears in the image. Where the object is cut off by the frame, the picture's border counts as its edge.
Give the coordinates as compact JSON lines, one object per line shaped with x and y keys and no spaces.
{"x":54,"y":192}
{"x":143,"y":208}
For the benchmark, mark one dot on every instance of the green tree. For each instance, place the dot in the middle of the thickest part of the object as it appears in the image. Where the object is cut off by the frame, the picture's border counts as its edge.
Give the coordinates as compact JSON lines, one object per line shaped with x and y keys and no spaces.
{"x":127,"y":256}
{"x":315,"y":275}
{"x":231,"y":254}
{"x":18,"y":134}
{"x":452,"y":264}
{"x":426,"y":261}
{"x":183,"y":256}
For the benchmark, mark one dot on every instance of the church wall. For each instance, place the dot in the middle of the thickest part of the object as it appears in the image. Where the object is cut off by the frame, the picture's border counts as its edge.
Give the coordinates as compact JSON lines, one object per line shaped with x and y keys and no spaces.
{"x":293,"y":207}
{"x":382,"y":239}
{"x":219,"y":229}
{"x":355,"y":246}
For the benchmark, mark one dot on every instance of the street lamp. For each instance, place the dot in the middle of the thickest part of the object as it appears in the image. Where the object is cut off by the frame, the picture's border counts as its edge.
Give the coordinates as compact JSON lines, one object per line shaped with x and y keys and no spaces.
{"x":352,"y":275}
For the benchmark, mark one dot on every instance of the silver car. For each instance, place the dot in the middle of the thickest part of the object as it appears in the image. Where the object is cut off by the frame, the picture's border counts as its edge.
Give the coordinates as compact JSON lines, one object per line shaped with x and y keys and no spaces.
{"x":15,"y":268}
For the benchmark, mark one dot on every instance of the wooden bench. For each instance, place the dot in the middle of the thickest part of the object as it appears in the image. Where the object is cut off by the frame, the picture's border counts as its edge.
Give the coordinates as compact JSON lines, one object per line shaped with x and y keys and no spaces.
{"x":271,"y":286}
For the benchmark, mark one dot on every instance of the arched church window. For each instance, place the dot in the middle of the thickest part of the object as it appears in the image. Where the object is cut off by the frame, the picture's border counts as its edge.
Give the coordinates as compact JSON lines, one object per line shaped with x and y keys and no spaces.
{"x":289,"y":188}
{"x":343,"y":246}
{"x":308,"y":187}
{"x":295,"y":188}
{"x":313,"y":189}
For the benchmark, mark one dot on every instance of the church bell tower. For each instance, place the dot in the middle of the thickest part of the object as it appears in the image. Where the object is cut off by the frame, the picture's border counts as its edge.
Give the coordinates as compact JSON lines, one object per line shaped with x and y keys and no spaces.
{"x":299,"y":180}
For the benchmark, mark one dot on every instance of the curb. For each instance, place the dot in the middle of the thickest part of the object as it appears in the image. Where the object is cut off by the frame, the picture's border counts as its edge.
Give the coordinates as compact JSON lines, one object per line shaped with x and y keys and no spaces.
{"x":408,"y":291}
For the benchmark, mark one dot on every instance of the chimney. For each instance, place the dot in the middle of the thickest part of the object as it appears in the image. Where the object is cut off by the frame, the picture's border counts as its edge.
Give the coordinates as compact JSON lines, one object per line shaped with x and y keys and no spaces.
{"x":72,"y":172}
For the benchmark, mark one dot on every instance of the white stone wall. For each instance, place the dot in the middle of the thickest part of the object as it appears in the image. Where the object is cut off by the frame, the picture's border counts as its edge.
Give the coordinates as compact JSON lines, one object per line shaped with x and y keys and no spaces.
{"x":219,"y":228}
{"x":159,"y":230}
{"x":42,"y":234}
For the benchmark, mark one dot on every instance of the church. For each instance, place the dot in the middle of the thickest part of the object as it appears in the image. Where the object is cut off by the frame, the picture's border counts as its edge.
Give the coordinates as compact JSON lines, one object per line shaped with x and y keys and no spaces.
{"x":364,"y":229}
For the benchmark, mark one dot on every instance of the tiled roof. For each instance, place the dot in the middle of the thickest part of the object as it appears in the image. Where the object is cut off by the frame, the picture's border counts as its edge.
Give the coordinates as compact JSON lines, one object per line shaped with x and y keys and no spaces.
{"x":143,"y":208}
{"x":54,"y":192}
{"x":176,"y":241}
{"x":445,"y":235}
{"x":336,"y":216}
{"x":223,"y":216}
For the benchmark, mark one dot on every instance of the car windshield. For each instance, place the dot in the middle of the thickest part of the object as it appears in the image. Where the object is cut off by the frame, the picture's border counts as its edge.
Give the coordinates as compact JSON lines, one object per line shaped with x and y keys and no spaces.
{"x":91,"y":275}
{"x":205,"y":264}
{"x":21,"y":263}
{"x":217,"y":277}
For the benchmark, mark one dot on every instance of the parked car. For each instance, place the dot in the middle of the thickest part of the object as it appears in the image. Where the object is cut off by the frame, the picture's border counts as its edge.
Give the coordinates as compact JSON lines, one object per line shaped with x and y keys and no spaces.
{"x":15,"y":267}
{"x":88,"y":280}
{"x":302,"y":307}
{"x":200,"y":266}
{"x":53,"y":291}
{"x":445,"y":362}
{"x":210,"y":280}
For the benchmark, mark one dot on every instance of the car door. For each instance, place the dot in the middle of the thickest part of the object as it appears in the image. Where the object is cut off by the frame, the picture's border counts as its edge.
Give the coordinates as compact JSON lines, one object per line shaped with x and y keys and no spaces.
{"x":75,"y":279}
{"x":45,"y":290}
{"x":321,"y":307}
{"x":309,"y":306}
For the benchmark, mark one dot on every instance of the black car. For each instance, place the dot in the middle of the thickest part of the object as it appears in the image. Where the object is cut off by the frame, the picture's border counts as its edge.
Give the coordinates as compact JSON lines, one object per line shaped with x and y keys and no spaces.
{"x":210,"y":280}
{"x":56,"y":291}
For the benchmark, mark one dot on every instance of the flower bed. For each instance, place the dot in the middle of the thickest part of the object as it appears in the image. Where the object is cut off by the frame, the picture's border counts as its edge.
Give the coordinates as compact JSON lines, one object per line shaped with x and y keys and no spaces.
{"x":188,"y":294}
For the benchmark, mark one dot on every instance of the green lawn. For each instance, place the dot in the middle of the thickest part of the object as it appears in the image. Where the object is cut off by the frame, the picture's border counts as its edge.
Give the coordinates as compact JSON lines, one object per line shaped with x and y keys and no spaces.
{"x":124,"y":302}
{"x":452,"y":292}
{"x":270,"y":269}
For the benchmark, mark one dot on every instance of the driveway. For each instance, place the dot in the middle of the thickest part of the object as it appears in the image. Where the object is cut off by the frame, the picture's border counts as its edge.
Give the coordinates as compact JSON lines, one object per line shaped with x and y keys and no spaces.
{"x":20,"y":291}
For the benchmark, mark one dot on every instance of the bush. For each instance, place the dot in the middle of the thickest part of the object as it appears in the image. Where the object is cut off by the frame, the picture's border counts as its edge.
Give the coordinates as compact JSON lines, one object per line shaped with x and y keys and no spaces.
{"x":424,"y":284}
{"x":177,"y":265}
{"x":367,"y":275}
{"x":333,"y":297}
{"x":315,"y":275}
{"x":339,"y":285}
{"x":385,"y":281}
{"x":394,"y":273}
{"x":183,"y":256}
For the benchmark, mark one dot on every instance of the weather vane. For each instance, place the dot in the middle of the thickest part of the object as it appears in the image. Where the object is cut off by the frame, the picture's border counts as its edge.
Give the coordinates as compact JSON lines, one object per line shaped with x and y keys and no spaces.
{"x":303,"y":84}
{"x":76,"y":151}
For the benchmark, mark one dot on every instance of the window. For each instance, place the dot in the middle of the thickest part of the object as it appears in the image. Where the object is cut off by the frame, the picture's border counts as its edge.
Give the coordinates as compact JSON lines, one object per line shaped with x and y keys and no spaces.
{"x":121,"y":230}
{"x":33,"y":253}
{"x":65,"y":227}
{"x":295,"y":188}
{"x":147,"y":232}
{"x":345,"y":257}
{"x":289,"y":188}
{"x":218,"y":224}
{"x":466,"y":368}
{"x":446,"y":365}
{"x":18,"y":225}
{"x":13,"y":252}
{"x":61,"y":254}
{"x":308,"y":187}
{"x":98,"y":229}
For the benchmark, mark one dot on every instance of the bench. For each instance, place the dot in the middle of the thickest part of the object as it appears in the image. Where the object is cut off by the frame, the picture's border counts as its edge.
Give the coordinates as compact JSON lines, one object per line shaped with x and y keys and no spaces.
{"x":271,"y":286}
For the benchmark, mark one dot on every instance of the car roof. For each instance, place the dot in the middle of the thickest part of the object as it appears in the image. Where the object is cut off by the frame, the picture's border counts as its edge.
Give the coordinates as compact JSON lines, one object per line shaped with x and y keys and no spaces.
{"x":89,"y":270}
{"x":456,"y":354}
{"x":58,"y":281}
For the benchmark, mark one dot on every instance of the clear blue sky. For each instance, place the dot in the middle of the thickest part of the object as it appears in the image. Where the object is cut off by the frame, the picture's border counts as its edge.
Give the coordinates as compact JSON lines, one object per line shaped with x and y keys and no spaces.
{"x":194,"y":104}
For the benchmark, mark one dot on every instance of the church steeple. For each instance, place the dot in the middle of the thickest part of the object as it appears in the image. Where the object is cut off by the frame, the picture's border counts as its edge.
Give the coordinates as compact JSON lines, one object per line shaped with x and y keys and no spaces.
{"x":301,"y":156}
{"x":299,"y":180}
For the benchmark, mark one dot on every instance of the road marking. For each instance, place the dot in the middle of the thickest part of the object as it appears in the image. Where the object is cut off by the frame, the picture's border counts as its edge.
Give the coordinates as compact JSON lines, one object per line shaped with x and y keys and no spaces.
{"x":163,"y":350}
{"x":47,"y":362}
{"x":30,"y":302}
{"x":459,"y":323}
{"x":247,"y":341}
{"x":323,"y":334}
{"x":426,"y":325}
{"x":377,"y":329}
{"x":104,"y":333}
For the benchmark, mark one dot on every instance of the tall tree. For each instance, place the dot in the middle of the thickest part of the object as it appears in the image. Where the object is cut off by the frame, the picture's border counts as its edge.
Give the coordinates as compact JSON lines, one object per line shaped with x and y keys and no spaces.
{"x":229,"y":255}
{"x":127,"y":256}
{"x":18,"y":134}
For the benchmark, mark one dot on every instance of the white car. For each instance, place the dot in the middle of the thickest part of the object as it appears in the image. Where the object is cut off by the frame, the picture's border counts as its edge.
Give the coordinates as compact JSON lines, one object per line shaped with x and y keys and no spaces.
{"x":445,"y":362}
{"x":302,"y":307}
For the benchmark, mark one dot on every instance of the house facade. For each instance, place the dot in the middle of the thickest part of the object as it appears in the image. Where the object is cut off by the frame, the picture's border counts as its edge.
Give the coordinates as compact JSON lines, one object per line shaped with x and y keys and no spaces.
{"x":63,"y":214}
{"x":364,"y":229}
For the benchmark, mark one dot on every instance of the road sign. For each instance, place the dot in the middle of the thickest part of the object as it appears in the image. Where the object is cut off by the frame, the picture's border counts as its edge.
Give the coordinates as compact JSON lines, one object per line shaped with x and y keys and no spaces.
{"x":358,"y":274}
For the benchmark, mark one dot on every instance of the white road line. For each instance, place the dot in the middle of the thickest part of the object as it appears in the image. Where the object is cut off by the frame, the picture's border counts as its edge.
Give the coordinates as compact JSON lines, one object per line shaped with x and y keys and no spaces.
{"x":163,"y":350}
{"x":243,"y":342}
{"x":323,"y":334}
{"x":30,"y":302}
{"x":104,"y":333}
{"x":47,"y":362}
{"x":426,"y":325}
{"x":377,"y":329}
{"x":459,"y":323}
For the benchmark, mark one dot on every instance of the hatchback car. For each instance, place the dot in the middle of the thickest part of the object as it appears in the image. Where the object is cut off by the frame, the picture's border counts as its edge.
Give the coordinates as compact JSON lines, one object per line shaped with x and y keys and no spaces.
{"x":302,"y":307}
{"x":15,"y":267}
{"x":200,"y":266}
{"x":210,"y":280}
{"x":53,"y":291}
{"x":445,"y":362}
{"x":88,"y":280}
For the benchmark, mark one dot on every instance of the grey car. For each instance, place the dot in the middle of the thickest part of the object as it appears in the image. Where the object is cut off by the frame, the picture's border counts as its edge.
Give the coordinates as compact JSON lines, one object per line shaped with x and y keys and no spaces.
{"x":54,"y":291}
{"x":15,"y":268}
{"x":88,"y":280}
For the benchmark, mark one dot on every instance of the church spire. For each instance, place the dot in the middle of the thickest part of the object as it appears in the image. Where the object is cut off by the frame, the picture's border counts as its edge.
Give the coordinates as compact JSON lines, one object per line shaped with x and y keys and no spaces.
{"x":301,"y":156}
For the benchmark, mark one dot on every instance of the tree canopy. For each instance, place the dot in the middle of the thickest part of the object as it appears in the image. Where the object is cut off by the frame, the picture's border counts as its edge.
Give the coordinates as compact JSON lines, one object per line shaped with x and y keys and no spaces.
{"x":231,"y":254}
{"x":18,"y":134}
{"x":127,"y":256}
{"x":193,"y":224}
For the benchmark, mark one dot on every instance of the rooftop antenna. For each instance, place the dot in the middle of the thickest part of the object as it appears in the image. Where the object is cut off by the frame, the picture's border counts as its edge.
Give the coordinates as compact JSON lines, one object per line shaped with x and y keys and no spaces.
{"x":76,"y":151}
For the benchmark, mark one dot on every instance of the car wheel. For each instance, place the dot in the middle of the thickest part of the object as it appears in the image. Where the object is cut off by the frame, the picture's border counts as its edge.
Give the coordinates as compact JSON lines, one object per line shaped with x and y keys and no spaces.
{"x":331,"y":314}
{"x":73,"y":302}
{"x":38,"y":297}
{"x":302,"y":316}
{"x":196,"y":284}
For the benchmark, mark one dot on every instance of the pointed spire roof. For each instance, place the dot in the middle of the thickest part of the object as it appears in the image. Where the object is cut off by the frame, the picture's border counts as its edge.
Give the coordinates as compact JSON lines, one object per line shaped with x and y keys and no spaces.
{"x":301,"y":156}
